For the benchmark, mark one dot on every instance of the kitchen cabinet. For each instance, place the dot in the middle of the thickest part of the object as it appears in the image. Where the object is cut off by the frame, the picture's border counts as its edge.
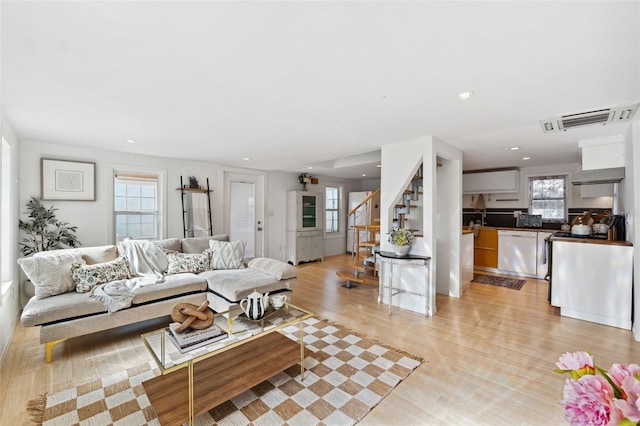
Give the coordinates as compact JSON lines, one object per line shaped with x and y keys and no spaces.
{"x":593,"y":281}
{"x":485,"y":249}
{"x":466,"y":261}
{"x":500,"y":181}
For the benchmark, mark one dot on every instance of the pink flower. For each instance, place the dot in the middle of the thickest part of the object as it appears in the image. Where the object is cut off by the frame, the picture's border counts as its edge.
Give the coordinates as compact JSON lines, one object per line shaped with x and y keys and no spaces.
{"x":630,"y":406}
{"x":619,"y":372}
{"x":588,"y":401}
{"x":577,"y":363}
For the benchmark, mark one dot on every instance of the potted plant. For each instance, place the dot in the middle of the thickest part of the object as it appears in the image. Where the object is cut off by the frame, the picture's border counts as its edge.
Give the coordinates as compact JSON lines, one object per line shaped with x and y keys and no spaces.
{"x":44,"y":231}
{"x":401,"y":238}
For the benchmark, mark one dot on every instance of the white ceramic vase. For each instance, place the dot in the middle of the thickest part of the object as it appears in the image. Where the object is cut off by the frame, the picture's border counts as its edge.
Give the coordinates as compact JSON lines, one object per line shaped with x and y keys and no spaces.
{"x":401,"y":250}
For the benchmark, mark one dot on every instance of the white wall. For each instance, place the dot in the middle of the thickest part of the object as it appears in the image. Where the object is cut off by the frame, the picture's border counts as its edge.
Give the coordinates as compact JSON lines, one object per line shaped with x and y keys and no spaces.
{"x":632,"y":175}
{"x":448,"y":210}
{"x":522,"y":198}
{"x":441,"y":207}
{"x":10,"y":306}
{"x":93,"y":218}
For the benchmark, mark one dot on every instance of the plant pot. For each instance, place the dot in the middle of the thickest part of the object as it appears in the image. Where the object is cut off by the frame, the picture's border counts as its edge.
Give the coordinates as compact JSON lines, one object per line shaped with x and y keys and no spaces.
{"x":401,"y":250}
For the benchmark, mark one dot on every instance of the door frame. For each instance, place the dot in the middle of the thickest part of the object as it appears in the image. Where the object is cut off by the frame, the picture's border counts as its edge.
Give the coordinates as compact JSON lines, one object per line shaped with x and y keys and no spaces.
{"x":258,"y":179}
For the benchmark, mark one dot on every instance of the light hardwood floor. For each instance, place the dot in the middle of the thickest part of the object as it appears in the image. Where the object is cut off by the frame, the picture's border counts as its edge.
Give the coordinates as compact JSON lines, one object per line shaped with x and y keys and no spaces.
{"x":489,"y":355}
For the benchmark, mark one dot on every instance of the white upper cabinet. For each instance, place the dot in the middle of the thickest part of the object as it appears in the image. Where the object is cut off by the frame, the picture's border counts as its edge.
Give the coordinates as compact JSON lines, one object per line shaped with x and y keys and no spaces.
{"x":500,"y":181}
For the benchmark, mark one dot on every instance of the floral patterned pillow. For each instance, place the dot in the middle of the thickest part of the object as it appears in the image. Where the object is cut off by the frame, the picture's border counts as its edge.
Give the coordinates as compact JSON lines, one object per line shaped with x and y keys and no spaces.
{"x":188,"y":262}
{"x":88,"y":276}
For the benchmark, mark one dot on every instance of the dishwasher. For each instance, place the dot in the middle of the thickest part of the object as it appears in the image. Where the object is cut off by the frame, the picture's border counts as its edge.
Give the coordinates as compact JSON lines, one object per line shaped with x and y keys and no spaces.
{"x":517,"y":252}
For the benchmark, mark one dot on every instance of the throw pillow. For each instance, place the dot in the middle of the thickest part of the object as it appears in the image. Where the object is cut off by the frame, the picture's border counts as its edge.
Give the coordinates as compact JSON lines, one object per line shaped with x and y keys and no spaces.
{"x":273,"y":267}
{"x":88,"y":276}
{"x":227,"y":255}
{"x":51,"y":274}
{"x":188,"y":262}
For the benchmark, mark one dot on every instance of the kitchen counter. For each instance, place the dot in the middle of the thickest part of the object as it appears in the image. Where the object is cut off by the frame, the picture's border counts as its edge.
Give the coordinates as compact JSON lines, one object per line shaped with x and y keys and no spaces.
{"x":467,"y":231}
{"x":592,"y":280}
{"x":586,"y":240}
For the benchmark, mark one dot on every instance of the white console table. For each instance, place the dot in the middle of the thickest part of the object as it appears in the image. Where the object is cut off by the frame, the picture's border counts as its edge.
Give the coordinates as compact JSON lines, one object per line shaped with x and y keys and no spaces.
{"x":394,"y":280}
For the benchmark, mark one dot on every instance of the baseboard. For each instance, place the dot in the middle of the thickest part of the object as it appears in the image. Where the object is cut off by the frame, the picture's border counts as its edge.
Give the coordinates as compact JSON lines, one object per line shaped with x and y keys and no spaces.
{"x":12,"y":330}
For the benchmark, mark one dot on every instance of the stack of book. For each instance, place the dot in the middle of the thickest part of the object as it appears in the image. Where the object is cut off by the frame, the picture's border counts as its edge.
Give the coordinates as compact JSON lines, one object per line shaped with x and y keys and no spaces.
{"x":191,"y":339}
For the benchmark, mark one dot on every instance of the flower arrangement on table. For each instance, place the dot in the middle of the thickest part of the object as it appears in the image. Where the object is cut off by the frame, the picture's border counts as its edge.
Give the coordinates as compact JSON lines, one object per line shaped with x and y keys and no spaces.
{"x":611,"y":398}
{"x":401,"y":236}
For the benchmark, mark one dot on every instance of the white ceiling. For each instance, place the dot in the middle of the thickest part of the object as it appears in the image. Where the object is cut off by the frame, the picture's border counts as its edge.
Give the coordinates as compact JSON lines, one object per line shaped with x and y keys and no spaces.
{"x":294,"y":84}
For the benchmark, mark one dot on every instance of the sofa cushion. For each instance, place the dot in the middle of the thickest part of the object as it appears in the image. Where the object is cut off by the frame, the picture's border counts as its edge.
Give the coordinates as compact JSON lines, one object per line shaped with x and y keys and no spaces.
{"x":78,"y":305}
{"x":227,"y":255}
{"x":188,"y":262}
{"x":91,"y":255}
{"x":277,"y":268}
{"x":200,"y":244}
{"x":51,"y":274}
{"x":236,"y":284}
{"x":61,"y":307}
{"x":173,"y":285}
{"x":170,"y":244}
{"x":88,"y":276}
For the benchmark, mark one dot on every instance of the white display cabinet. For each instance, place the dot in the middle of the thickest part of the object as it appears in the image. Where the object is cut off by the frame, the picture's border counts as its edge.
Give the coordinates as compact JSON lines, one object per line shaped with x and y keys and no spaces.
{"x":304,"y":226}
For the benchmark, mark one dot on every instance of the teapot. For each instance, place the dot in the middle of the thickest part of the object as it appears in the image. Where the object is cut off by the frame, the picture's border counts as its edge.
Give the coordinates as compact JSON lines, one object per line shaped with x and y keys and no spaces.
{"x":255,"y":305}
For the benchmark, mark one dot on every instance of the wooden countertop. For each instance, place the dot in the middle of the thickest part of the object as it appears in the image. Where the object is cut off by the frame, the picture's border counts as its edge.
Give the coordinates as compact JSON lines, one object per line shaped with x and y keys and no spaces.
{"x":467,"y":231}
{"x":568,"y":239}
{"x":591,"y":241}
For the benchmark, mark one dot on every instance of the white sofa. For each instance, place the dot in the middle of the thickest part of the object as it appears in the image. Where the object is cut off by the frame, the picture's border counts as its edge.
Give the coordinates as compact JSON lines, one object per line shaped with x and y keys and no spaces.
{"x":71,"y":314}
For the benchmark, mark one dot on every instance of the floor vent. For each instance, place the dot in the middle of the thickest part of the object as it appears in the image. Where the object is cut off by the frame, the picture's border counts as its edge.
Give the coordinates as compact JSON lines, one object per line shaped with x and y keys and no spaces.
{"x":600,"y":116}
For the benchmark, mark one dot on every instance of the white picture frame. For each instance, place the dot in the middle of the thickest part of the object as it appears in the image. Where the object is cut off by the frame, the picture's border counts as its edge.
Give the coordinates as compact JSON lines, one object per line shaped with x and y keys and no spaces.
{"x":67,"y":180}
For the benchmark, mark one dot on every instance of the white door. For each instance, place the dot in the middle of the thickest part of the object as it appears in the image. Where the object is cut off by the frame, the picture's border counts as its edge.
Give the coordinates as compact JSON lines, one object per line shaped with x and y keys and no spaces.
{"x":244,"y":217}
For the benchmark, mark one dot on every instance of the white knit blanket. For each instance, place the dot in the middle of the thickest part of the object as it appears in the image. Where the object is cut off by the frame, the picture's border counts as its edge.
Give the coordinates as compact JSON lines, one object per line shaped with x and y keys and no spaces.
{"x":147,"y":262}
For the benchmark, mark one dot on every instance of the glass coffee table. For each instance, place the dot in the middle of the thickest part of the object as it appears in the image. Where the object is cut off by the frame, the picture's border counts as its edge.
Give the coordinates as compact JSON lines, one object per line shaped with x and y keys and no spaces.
{"x":198,"y":380}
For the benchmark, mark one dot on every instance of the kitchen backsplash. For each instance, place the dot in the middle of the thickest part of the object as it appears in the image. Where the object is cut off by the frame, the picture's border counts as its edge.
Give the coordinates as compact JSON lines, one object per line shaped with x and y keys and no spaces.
{"x":505,"y":218}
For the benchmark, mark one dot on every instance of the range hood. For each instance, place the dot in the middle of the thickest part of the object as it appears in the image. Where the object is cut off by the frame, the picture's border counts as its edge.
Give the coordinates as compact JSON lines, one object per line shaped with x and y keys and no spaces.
{"x":596,"y":177}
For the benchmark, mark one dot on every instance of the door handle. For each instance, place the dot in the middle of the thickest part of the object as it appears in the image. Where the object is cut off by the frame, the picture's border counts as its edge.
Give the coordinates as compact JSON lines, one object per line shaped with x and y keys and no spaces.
{"x":259,"y":228}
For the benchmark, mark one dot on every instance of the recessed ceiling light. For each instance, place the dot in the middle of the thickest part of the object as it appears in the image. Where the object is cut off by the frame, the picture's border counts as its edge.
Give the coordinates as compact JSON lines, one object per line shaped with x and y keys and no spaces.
{"x":526,"y":158}
{"x":465,"y":95}
{"x":378,"y":165}
{"x":246,"y":158}
{"x":310,"y":168}
{"x":364,"y":175}
{"x":131,"y":141}
{"x":514,"y":148}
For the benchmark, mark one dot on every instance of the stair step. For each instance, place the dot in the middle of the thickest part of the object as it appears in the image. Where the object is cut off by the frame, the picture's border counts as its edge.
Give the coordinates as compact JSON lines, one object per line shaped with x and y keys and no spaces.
{"x":369,"y":227}
{"x":347,"y":275}
{"x":358,"y":267}
{"x":369,"y":244}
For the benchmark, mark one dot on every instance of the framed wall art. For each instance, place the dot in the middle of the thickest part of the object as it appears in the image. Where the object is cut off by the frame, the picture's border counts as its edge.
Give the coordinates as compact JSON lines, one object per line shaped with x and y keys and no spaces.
{"x":68,"y":180}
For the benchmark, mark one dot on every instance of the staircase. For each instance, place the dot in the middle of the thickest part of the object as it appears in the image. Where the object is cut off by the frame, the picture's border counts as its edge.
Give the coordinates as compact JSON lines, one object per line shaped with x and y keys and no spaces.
{"x":408,"y":201}
{"x":363,"y":253}
{"x":366,"y":242}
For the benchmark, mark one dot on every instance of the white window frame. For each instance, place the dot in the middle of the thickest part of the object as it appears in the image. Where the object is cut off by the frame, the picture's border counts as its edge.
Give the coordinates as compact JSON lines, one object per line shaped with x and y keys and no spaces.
{"x":336,"y":210}
{"x":161,"y":174}
{"x":563,"y":176}
{"x":341,"y":214}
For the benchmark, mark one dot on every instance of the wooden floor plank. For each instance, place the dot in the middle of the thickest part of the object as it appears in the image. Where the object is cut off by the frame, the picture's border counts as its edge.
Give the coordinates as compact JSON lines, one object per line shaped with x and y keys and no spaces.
{"x":489,"y":355}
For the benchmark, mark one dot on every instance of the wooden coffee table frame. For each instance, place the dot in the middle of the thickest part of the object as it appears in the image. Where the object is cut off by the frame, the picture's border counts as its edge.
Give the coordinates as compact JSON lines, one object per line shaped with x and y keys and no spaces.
{"x":205,"y":381}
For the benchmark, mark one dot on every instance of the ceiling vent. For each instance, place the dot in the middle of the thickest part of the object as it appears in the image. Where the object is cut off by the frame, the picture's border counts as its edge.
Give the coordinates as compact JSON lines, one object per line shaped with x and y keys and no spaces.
{"x":600,"y":116}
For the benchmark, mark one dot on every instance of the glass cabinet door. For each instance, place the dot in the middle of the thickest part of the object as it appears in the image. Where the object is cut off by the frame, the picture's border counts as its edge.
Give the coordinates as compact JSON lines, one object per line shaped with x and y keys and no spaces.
{"x":309,"y":211}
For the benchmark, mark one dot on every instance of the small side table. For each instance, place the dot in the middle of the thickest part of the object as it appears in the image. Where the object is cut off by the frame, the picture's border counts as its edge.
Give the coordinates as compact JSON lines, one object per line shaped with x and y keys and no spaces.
{"x":389,"y":261}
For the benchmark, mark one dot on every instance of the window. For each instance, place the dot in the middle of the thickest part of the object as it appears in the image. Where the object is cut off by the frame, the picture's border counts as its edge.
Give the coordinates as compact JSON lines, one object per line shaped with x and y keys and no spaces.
{"x":135,"y":201}
{"x":7,"y":220}
{"x":548,"y":197}
{"x":332,"y":209}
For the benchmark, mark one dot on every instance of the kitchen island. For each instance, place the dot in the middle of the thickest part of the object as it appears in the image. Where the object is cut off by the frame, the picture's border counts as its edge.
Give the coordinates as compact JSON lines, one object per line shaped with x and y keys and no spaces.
{"x":592,"y":279}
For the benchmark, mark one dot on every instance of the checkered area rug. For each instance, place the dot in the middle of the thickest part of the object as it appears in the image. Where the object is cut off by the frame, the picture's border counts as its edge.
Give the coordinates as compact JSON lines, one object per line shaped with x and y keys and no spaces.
{"x":347,"y":375}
